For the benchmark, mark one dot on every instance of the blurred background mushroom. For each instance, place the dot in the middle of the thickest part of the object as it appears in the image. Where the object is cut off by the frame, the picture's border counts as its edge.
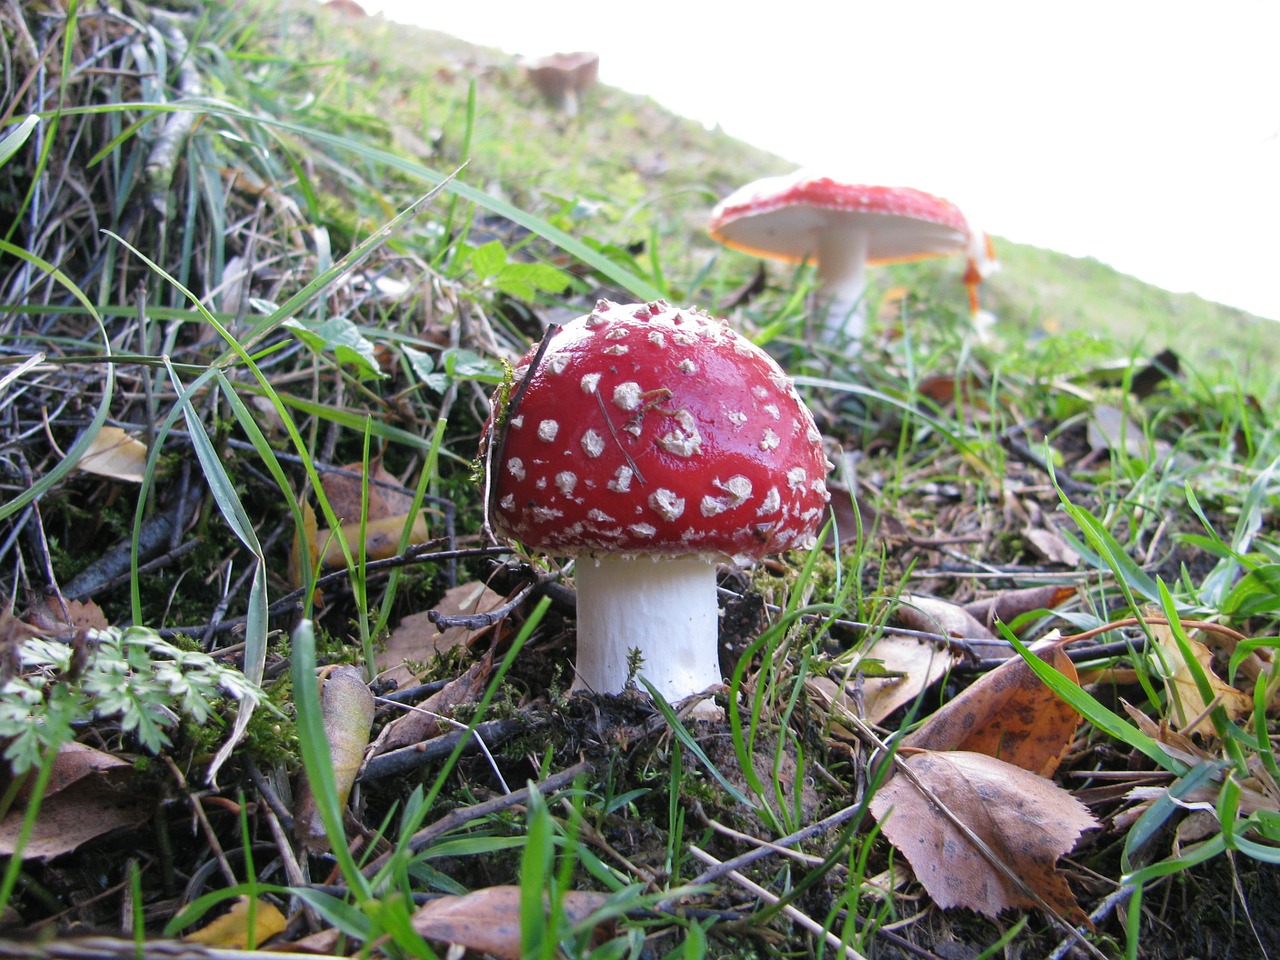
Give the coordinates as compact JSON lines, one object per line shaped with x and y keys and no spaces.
{"x":841,"y":227}
{"x":562,"y":78}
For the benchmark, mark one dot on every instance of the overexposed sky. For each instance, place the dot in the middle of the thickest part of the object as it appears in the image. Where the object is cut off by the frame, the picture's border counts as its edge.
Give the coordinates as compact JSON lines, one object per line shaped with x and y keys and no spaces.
{"x":1145,"y":134}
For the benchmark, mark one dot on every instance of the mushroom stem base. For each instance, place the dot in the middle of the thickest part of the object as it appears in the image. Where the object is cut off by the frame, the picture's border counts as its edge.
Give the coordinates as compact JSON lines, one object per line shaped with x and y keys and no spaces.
{"x":665,"y":608}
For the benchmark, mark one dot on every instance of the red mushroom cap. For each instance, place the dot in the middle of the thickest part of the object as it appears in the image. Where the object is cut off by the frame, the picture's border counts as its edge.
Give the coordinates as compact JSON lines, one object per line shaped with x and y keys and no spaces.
{"x":779,"y":216}
{"x":651,"y":430}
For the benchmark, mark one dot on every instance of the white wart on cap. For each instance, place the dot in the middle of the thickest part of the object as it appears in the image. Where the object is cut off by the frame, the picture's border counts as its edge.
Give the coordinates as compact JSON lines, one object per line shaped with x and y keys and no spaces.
{"x":652,"y":442}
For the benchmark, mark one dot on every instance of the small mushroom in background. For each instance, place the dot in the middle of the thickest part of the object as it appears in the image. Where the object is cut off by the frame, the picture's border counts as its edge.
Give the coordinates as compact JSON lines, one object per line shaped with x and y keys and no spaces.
{"x":347,"y":8}
{"x":651,"y":443}
{"x":841,"y":227}
{"x":562,"y":78}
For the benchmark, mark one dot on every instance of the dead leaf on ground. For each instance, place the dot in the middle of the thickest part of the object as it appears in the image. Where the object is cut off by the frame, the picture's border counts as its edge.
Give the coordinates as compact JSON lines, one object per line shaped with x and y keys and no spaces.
{"x":113,"y":453}
{"x":56,"y":617}
{"x":387,"y":498}
{"x":1008,"y":605}
{"x":347,"y":707}
{"x":904,"y":667}
{"x":381,"y":538}
{"x":90,"y":794}
{"x":231,"y":929}
{"x":935,"y":615}
{"x":416,"y":639}
{"x":1184,"y":694}
{"x":1050,"y":546}
{"x":1009,"y":713}
{"x":423,"y":722}
{"x":1026,"y":821}
{"x":855,"y":519}
{"x":488,"y":920}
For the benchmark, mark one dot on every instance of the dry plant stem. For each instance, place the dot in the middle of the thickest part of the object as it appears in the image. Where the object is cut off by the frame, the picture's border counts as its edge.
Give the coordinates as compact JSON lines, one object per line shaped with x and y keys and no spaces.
{"x":1206,"y":625}
{"x":721,"y":829}
{"x":403,"y":760}
{"x":711,"y":874}
{"x":461,"y":816}
{"x":803,"y":919}
{"x":198,"y":810}
{"x":163,"y":158}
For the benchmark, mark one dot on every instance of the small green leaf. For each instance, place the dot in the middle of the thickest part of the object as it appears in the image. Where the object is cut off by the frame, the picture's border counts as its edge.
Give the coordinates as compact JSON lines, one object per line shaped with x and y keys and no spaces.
{"x":487,"y":261}
{"x":341,"y":337}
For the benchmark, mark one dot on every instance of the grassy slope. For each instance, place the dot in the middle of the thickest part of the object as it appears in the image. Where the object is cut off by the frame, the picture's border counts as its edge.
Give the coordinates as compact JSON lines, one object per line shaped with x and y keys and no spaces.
{"x":649,"y":169}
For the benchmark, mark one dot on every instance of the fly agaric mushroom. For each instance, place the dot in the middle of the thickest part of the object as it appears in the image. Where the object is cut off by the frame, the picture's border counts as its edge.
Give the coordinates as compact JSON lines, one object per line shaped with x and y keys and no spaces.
{"x":649,"y":443}
{"x":840,"y":226}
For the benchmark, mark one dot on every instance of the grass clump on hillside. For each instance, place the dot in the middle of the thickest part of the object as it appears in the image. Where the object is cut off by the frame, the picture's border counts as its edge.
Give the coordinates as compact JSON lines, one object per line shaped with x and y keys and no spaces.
{"x":289,"y":258}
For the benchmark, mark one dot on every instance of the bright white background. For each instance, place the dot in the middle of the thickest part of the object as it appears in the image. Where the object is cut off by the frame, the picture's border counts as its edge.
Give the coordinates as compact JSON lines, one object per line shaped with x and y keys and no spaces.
{"x":1145,"y":134}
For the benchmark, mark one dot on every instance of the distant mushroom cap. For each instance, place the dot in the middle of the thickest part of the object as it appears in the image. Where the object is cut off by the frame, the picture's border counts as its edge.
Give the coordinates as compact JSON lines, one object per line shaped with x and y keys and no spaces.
{"x":780,"y":217}
{"x":646,"y":429}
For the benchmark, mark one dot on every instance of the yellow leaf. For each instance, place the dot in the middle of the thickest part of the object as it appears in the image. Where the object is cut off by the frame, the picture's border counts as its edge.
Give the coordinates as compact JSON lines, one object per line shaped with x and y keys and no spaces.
{"x":231,"y":930}
{"x":115,"y":454}
{"x":1184,"y":695}
{"x":382,"y":538}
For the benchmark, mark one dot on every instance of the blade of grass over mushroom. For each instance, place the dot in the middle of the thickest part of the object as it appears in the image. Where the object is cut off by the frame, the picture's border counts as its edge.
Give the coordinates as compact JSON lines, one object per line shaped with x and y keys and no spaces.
{"x":1092,"y":710}
{"x":85,"y":440}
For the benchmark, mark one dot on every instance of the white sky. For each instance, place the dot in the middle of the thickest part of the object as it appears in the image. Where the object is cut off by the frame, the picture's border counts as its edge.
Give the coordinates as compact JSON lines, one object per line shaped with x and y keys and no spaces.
{"x":1145,"y":134}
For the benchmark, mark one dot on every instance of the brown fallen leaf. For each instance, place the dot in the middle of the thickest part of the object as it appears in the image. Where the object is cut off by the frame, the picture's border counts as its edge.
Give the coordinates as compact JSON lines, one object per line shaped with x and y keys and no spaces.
{"x":488,"y":920}
{"x":423,"y":722}
{"x":387,"y":498}
{"x":347,"y":707}
{"x":381,"y":538}
{"x":113,"y":453}
{"x":417,"y":640}
{"x":1184,"y":696}
{"x":1026,"y":821}
{"x":935,"y":615}
{"x":905,"y":666}
{"x":90,"y":794}
{"x":231,"y":930}
{"x":55,"y":617}
{"x":1008,"y":605}
{"x":1008,"y":713}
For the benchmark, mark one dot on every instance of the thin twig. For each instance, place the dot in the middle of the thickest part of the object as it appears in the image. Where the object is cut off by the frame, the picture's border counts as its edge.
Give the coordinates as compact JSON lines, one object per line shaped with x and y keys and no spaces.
{"x":798,"y":916}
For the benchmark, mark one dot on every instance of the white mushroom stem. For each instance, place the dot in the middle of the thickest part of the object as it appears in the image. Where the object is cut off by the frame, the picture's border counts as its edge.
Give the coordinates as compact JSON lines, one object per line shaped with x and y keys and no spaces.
{"x":842,"y":278}
{"x":663,"y":607}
